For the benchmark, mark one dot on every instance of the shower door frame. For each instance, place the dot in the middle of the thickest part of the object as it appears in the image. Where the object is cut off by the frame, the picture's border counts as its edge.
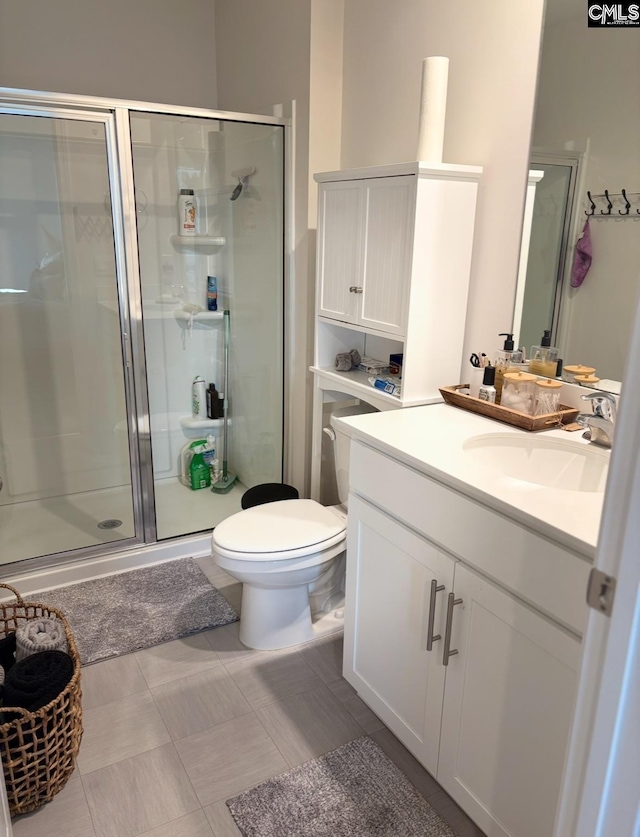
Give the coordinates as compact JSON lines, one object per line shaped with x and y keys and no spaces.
{"x":115,"y":115}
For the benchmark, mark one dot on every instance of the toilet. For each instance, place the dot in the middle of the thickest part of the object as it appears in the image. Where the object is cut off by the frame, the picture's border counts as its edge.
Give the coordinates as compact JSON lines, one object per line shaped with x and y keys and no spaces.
{"x":290,"y":557}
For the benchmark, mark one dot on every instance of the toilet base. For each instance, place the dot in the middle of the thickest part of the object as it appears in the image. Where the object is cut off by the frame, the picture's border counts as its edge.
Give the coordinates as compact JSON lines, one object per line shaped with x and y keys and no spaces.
{"x":275,"y":618}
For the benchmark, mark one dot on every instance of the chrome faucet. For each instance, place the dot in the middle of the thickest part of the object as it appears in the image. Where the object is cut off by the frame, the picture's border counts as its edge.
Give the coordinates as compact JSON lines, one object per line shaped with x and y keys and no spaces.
{"x":600,"y":423}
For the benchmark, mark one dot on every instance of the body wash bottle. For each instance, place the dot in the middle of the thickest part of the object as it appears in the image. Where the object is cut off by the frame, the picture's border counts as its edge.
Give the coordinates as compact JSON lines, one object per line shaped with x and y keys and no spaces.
{"x":544,"y":358}
{"x":187,"y":212}
{"x":507,"y":359}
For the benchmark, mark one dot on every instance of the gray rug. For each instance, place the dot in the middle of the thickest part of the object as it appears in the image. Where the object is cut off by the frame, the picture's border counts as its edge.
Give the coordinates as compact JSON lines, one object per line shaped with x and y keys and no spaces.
{"x":138,"y":609}
{"x":355,"y":790}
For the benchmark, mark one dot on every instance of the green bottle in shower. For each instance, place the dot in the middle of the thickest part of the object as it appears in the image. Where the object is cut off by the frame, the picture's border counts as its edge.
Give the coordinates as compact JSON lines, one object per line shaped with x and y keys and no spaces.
{"x":199,"y":471}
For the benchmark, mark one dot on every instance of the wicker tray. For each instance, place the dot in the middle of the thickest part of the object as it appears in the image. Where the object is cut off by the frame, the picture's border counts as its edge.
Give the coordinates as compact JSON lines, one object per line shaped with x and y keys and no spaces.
{"x":39,"y":749}
{"x":564,"y":415}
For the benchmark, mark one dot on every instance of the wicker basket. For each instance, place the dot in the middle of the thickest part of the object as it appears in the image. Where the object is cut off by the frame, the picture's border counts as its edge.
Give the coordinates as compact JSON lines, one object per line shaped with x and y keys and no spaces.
{"x":39,"y":749}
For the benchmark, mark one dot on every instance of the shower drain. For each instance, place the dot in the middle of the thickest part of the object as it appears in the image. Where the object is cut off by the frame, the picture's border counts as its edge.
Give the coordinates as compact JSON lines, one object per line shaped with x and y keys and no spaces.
{"x":109,"y":524}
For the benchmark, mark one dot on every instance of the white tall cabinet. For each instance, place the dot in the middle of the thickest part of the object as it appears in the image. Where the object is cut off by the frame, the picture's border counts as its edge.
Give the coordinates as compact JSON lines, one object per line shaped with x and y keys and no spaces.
{"x":393,"y":264}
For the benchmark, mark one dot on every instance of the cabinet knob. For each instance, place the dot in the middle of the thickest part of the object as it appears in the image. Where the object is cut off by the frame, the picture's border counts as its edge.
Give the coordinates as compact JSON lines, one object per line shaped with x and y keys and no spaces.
{"x":448,"y":651}
{"x":354,"y":289}
{"x":435,"y":589}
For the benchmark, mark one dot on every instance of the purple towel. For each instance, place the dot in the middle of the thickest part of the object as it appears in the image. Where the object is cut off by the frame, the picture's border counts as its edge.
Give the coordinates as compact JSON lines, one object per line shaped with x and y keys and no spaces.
{"x":582,"y":257}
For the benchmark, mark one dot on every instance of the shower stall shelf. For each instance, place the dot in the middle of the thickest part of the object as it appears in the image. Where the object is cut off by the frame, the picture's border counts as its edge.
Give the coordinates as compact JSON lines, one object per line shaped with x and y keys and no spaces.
{"x":112,"y":326}
{"x":197,"y":241}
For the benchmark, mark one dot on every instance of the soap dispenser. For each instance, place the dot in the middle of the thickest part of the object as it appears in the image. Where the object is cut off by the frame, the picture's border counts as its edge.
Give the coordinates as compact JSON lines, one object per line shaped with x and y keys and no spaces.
{"x":544,"y":358}
{"x":506,"y":360}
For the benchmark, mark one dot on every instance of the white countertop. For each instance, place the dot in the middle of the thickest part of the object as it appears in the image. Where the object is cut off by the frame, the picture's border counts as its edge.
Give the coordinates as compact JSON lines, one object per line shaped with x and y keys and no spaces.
{"x":430,"y":439}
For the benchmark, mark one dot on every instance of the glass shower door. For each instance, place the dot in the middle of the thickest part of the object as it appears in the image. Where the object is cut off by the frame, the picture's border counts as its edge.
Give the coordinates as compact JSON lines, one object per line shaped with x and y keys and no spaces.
{"x":65,"y":459}
{"x":233,"y":175}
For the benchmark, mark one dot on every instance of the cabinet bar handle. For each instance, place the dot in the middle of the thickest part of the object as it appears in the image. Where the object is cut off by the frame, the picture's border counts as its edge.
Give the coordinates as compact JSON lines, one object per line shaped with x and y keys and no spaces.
{"x":435,"y":589}
{"x":354,"y":289}
{"x":448,"y":652}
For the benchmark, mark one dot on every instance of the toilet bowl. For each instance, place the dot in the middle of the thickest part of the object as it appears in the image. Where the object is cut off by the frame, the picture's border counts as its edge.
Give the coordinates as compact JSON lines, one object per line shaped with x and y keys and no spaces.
{"x":290,"y":557}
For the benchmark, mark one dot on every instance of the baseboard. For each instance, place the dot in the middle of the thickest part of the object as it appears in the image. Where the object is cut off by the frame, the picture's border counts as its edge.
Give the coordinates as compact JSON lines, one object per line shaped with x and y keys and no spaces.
{"x":30,"y":582}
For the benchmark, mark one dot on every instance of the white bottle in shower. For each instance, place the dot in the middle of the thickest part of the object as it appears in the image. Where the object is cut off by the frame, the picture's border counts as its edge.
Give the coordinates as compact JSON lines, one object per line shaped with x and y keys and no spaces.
{"x":187,"y":212}
{"x":198,"y":398}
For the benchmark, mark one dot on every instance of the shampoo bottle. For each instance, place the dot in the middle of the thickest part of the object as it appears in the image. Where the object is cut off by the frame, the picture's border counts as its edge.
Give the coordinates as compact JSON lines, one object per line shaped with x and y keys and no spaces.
{"x":198,"y":398}
{"x":187,"y":212}
{"x":212,"y":293}
{"x":544,"y":358}
{"x":213,"y":402}
{"x":505,"y":360}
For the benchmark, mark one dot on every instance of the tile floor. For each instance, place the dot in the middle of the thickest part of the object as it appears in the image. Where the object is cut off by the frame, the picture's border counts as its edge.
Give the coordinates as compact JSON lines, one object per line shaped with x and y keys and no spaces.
{"x":170,"y":733}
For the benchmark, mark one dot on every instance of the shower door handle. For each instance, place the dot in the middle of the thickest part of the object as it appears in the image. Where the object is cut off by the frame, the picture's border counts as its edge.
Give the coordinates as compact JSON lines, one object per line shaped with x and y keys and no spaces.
{"x":127,"y":350}
{"x":354,"y":289}
{"x":435,"y":589}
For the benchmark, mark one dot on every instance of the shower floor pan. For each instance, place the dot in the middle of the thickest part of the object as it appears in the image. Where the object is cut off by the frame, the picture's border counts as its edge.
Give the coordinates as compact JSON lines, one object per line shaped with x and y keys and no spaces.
{"x":59,"y":524}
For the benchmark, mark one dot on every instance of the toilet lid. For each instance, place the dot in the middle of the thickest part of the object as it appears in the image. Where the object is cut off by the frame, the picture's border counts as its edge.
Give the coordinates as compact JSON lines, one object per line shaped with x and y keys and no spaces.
{"x":278,"y":527}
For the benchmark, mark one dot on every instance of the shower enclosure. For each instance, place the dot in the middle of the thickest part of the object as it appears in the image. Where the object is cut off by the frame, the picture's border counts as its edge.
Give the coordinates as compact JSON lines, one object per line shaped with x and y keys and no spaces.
{"x":104,"y":321}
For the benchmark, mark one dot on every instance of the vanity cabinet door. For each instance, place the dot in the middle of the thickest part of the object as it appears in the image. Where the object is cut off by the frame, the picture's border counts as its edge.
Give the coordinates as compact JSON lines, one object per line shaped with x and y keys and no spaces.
{"x":390,"y":571}
{"x":388,"y":238}
{"x":508,"y":705}
{"x":340,"y":249}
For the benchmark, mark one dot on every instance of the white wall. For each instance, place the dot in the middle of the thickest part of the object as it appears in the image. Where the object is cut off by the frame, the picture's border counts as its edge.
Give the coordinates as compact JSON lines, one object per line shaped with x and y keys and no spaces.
{"x":149,"y":50}
{"x":590,"y":90}
{"x":493,"y":49}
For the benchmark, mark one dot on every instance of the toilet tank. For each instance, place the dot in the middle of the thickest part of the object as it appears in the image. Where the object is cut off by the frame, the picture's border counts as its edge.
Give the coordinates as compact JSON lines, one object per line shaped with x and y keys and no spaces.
{"x":341,"y":447}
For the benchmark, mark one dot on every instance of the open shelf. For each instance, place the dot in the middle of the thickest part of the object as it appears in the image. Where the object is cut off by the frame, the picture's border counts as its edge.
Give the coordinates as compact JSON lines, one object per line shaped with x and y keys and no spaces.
{"x":196,"y":241}
{"x":190,"y":423}
{"x":356,"y":383}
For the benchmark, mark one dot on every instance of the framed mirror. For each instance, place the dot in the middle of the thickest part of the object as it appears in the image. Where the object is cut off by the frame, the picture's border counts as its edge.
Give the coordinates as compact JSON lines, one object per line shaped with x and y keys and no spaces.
{"x":581,"y":282}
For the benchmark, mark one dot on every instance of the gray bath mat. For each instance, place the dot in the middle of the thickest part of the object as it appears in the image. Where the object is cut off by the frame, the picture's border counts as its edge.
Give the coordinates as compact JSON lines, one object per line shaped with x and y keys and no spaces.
{"x":138,"y":609}
{"x":354,"y":791}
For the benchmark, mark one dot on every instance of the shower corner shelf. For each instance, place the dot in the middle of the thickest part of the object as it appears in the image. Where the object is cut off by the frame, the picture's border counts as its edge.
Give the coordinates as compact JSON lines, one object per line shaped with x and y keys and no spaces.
{"x":190,"y":423}
{"x":197,"y":241}
{"x":199,"y":317}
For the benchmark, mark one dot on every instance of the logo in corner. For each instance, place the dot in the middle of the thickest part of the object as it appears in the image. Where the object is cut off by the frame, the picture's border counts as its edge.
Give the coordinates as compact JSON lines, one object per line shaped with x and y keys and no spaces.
{"x":613,"y":14}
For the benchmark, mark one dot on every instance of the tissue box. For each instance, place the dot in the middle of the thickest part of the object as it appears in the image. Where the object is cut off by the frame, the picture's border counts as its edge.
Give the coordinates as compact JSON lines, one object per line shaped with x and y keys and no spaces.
{"x":371,"y":365}
{"x":395,"y":363}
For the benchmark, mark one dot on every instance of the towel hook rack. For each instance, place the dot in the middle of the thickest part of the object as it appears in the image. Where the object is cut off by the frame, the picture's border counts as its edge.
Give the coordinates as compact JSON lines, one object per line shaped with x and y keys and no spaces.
{"x":627,"y":205}
{"x":609,"y":204}
{"x":610,"y":200}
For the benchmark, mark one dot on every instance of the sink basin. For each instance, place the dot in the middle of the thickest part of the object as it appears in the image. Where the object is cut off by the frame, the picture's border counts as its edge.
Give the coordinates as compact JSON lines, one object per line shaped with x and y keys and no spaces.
{"x":550,"y":462}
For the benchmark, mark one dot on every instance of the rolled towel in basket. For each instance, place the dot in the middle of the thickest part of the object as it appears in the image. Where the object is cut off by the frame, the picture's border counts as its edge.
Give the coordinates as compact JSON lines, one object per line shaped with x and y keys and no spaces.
{"x":44,"y":634}
{"x":35,"y":681}
{"x":8,"y":651}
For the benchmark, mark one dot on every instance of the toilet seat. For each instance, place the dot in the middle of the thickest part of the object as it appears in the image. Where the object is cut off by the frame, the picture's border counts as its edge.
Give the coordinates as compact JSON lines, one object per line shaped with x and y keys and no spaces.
{"x":279,"y":531}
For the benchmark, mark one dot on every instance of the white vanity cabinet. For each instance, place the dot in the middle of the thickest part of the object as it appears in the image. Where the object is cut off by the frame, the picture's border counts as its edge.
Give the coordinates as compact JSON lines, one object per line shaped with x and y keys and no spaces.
{"x":507,"y":709}
{"x":492,"y":721}
{"x":398,"y":584}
